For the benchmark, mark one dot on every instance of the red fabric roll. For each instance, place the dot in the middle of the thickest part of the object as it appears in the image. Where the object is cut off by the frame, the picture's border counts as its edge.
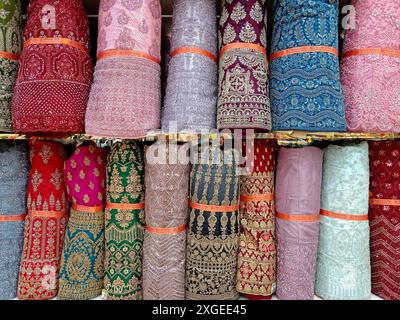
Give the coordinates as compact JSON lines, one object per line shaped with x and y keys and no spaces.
{"x":45,"y":223}
{"x":54,"y":79}
{"x":384,"y":215}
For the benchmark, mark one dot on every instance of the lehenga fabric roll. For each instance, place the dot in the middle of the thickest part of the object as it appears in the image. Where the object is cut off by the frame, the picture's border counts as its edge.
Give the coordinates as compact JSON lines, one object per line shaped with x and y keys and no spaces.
{"x":213,"y":235}
{"x":243,"y":100}
{"x":11,"y":43}
{"x":125,"y":98}
{"x":256,"y":275}
{"x":45,"y":223}
{"x":371,"y":67}
{"x":384,"y":215}
{"x":191,"y":98}
{"x":298,"y":193}
{"x":14,"y":169}
{"x":164,"y":247}
{"x":343,"y":261}
{"x":55,"y":72}
{"x":82,"y":261}
{"x":306,"y":93}
{"x":124,"y":222}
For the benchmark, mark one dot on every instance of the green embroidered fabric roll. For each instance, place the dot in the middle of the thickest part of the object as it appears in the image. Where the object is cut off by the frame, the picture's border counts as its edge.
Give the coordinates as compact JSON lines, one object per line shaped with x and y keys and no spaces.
{"x":124,"y":222}
{"x":10,"y":48}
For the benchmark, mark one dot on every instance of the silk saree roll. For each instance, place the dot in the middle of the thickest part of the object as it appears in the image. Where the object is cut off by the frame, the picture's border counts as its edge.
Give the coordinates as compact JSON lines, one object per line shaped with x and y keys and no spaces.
{"x":14,"y":169}
{"x":45,"y":223}
{"x":256,"y":275}
{"x":213,"y":236}
{"x":306,"y":93}
{"x":82,"y":261}
{"x":343,"y":262}
{"x":124,"y":222}
{"x":164,"y":248}
{"x":11,"y":43}
{"x":192,"y":87}
{"x":125,"y":98}
{"x":243,"y":100}
{"x":298,"y":192}
{"x":55,"y":72}
{"x":371,"y":67}
{"x":384,"y":215}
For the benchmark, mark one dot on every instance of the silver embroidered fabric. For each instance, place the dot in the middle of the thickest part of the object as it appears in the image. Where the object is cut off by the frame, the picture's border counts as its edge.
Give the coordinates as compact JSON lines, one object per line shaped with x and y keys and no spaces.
{"x":192,"y":85}
{"x":13,"y":187}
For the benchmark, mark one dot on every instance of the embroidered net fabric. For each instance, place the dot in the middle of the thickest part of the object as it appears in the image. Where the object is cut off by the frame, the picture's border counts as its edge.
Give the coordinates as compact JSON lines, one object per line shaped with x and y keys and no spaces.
{"x":82,"y":261}
{"x":385,"y":218}
{"x":125,"y":98}
{"x":256,"y":275}
{"x":164,"y":251}
{"x":192,"y":87}
{"x":45,"y":223}
{"x":10,"y":40}
{"x":124,"y":226}
{"x":53,"y":82}
{"x":298,"y":192}
{"x":243,"y":100}
{"x":371,"y":82}
{"x":306,"y":93}
{"x":343,"y":262}
{"x":213,"y":237}
{"x":14,"y":169}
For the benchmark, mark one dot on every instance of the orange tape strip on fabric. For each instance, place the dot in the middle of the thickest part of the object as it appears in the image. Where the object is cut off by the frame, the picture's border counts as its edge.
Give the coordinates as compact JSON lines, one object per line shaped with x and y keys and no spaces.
{"x":125,"y":206}
{"x":305,"y":49}
{"x":15,"y":218}
{"x":47,"y":214}
{"x":373,"y":51}
{"x":298,"y":217}
{"x":213,"y":208}
{"x":176,"y":230}
{"x":127,"y":53}
{"x":62,"y":41}
{"x":343,"y":216}
{"x":82,"y":208}
{"x":9,"y":56}
{"x":240,"y":45}
{"x":385,"y":202}
{"x":257,"y":197}
{"x":195,"y":50}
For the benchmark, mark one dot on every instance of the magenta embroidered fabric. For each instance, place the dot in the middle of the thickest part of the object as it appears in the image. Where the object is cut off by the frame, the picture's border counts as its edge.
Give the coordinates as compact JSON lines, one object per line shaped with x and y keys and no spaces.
{"x":371,"y":82}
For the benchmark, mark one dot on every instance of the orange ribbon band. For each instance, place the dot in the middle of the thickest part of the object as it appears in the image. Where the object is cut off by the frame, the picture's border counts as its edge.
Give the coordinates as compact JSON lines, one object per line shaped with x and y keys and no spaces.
{"x":175,"y":230}
{"x":213,"y":208}
{"x":343,"y":216}
{"x":47,"y":214}
{"x":62,"y":41}
{"x":9,"y":56}
{"x":257,"y":197}
{"x":125,"y":206}
{"x":385,"y":202}
{"x":195,"y":50}
{"x":373,"y":51}
{"x":82,"y":208}
{"x":305,"y":49}
{"x":298,"y":217}
{"x":15,"y":218}
{"x":240,"y":45}
{"x":127,"y":53}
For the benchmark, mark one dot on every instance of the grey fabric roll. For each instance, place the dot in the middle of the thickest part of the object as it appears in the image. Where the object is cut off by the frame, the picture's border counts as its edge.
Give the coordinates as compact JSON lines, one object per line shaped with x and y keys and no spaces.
{"x":13,"y":187}
{"x":192,"y":85}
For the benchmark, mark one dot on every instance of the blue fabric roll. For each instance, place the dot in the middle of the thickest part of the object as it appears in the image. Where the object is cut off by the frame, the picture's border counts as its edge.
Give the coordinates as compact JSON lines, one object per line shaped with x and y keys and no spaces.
{"x":13,"y":187}
{"x":305,"y":89}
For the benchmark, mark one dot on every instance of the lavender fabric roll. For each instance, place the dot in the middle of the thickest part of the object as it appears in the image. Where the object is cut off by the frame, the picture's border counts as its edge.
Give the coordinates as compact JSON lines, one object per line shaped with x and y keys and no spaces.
{"x":192,"y":86}
{"x":297,"y":196}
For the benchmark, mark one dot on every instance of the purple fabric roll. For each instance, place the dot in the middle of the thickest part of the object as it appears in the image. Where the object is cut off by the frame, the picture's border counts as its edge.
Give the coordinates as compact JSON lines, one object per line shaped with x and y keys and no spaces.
{"x":297,"y":195}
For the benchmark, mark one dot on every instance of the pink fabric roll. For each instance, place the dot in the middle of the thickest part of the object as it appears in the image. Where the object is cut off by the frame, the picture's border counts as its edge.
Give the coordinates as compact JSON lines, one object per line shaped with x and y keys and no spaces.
{"x":371,"y":81}
{"x":125,"y":99}
{"x":297,"y":196}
